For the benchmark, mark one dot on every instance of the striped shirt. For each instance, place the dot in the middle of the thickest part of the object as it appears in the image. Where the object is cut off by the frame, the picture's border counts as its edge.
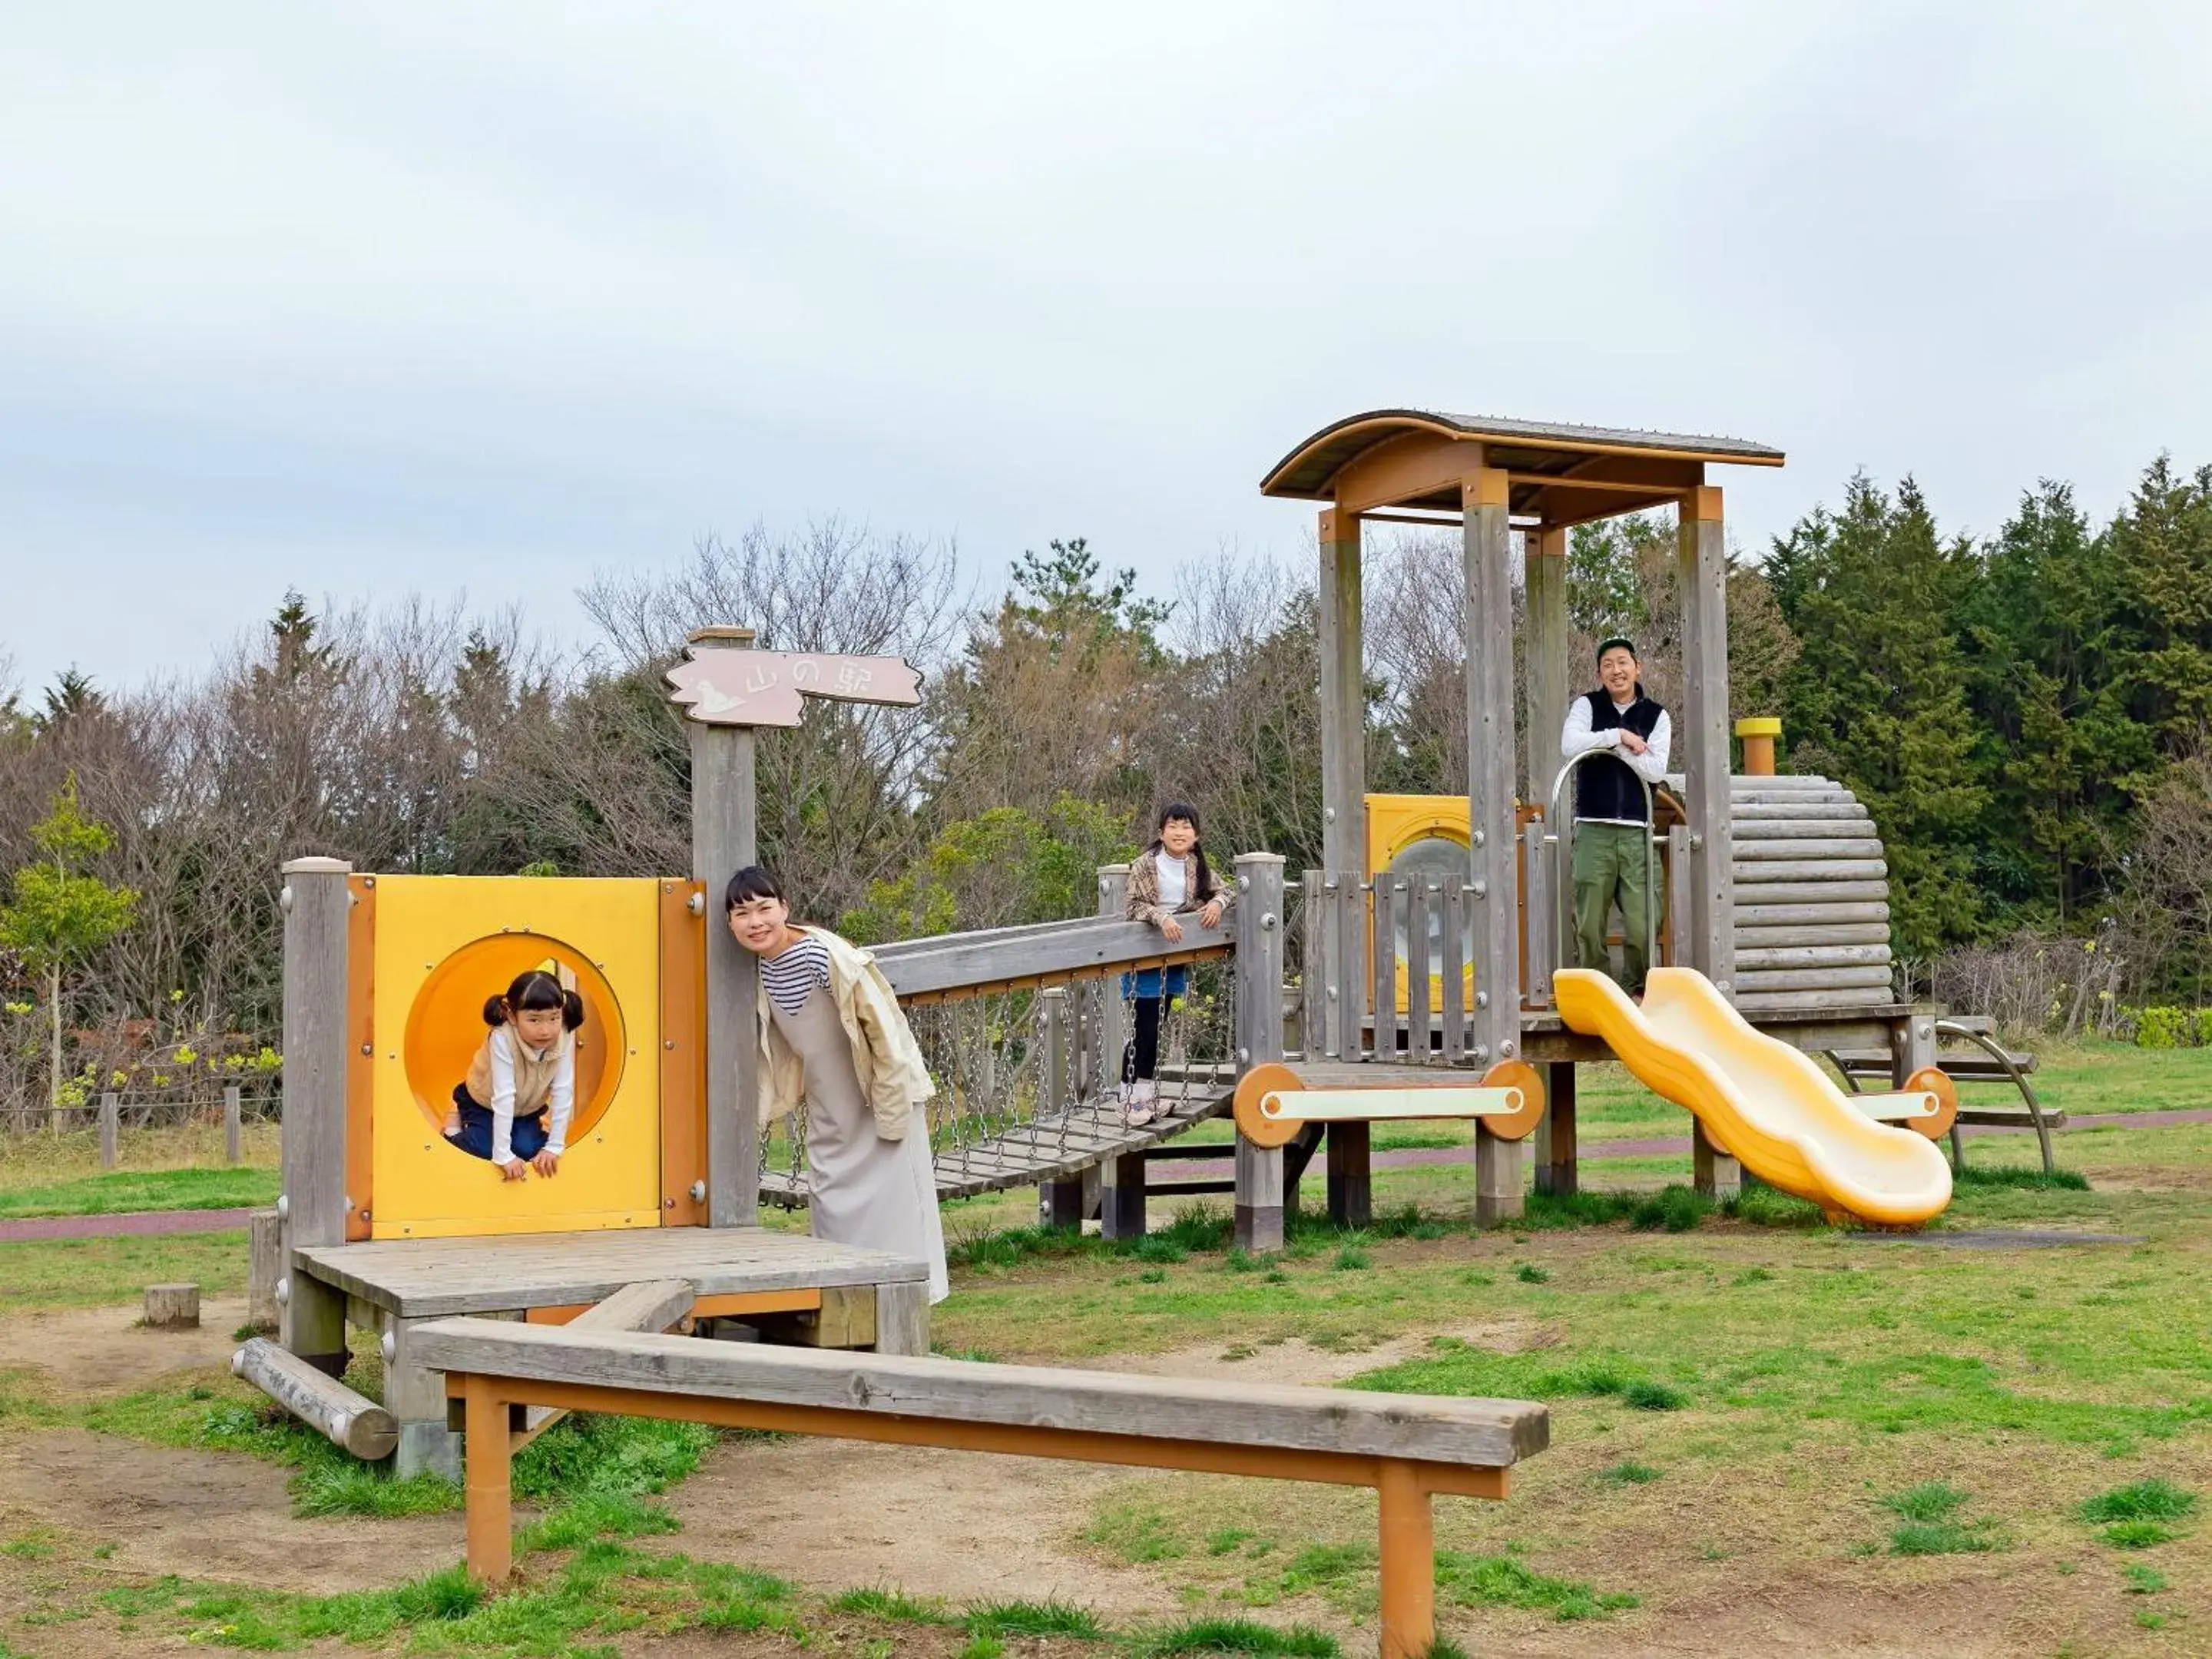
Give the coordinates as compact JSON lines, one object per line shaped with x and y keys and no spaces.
{"x":793,"y":977}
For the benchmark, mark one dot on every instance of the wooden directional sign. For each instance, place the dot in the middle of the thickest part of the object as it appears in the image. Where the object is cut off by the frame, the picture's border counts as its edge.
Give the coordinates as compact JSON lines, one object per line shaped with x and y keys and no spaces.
{"x":764,"y":688}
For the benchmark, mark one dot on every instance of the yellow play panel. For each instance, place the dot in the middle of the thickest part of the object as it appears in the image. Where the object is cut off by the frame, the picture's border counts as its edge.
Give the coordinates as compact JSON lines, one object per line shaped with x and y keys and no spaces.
{"x":1423,"y":838}
{"x":444,"y":944}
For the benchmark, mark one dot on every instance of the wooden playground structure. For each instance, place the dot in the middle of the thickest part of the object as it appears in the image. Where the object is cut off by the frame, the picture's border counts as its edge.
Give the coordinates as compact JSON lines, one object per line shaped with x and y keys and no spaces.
{"x":1364,"y":990}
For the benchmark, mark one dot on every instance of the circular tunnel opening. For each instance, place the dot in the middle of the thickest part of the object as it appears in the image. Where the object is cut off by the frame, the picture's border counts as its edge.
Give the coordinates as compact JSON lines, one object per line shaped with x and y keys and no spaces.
{"x":445,"y":1027}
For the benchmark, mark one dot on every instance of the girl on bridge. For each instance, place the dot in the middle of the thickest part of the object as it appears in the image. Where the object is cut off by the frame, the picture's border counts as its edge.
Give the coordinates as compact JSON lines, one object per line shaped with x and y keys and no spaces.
{"x":830,"y":1028}
{"x":1171,"y":878}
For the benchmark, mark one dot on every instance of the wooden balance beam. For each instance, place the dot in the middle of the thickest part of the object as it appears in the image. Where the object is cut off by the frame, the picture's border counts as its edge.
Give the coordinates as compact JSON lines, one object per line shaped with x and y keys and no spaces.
{"x":1406,"y":1446}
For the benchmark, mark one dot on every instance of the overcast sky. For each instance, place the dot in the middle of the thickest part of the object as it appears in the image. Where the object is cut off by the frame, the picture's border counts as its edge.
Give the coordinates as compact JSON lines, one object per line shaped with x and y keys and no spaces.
{"x":364,"y":299}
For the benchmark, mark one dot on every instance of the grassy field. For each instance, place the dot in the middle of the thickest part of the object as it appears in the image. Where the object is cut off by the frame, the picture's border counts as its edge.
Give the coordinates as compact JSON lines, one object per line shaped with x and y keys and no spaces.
{"x":1755,"y":1418}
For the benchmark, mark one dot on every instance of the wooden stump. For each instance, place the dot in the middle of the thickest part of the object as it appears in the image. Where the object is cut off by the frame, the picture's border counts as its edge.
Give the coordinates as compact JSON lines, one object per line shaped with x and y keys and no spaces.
{"x":172,"y":1307}
{"x":264,"y":1266}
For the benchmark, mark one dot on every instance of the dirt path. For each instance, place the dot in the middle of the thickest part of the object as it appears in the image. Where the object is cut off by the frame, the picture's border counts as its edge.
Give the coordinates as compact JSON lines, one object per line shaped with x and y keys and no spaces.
{"x":206,"y":1515}
{"x":106,"y":1351}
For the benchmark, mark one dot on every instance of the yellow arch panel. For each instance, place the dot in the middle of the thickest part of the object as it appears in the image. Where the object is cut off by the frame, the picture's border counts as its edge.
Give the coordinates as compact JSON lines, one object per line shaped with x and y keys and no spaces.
{"x":444,"y":944}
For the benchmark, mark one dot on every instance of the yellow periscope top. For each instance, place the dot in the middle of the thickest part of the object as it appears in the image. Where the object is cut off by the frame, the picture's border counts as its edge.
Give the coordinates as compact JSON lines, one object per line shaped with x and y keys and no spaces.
{"x":1763,"y":1102}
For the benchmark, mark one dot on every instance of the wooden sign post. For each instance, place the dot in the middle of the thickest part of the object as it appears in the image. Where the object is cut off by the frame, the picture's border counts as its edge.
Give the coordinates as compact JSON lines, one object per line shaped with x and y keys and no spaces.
{"x":726,"y":689}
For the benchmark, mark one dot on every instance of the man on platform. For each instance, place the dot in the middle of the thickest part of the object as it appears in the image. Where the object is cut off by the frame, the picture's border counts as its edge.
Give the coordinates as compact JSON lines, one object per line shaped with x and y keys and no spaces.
{"x":1612,"y":823}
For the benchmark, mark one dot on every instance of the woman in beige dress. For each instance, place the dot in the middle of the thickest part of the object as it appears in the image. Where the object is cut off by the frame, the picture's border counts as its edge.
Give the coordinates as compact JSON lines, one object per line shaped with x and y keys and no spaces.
{"x":831,"y":1029}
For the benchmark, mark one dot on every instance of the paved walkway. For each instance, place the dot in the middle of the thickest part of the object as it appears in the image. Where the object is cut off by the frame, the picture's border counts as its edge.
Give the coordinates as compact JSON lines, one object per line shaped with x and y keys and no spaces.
{"x":139,"y":1223}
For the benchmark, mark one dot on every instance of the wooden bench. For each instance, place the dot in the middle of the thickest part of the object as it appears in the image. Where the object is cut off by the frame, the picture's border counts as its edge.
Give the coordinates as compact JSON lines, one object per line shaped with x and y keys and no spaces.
{"x":1406,"y":1446}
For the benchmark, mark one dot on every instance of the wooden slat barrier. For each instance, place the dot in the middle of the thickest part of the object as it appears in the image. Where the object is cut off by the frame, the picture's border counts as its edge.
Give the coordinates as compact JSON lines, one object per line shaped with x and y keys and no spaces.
{"x":1408,"y":1447}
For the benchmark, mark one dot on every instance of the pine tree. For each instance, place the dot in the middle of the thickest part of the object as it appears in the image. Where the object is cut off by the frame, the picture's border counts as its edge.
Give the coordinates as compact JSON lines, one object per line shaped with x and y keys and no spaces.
{"x":2160,"y":548}
{"x":2042,"y":640}
{"x":1878,"y":693}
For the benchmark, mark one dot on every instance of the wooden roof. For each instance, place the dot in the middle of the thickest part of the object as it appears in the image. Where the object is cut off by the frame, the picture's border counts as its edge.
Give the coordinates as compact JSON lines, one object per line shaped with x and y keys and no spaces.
{"x":1608,"y":469}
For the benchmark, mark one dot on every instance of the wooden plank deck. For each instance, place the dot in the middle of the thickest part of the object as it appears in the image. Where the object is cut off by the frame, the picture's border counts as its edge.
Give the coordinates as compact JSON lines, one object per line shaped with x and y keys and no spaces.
{"x":434,"y":1278}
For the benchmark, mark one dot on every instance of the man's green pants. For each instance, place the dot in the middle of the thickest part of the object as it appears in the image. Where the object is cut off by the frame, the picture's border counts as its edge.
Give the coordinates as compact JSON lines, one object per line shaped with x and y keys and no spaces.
{"x":1610,"y":866}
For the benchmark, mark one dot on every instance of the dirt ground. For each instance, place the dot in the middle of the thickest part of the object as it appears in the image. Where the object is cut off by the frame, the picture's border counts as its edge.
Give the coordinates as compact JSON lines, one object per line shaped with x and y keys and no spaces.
{"x":966,"y":1526}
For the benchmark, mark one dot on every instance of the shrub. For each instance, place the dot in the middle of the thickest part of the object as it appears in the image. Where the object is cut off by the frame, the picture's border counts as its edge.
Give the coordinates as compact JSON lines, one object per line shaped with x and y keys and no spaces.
{"x":2162,"y":1028}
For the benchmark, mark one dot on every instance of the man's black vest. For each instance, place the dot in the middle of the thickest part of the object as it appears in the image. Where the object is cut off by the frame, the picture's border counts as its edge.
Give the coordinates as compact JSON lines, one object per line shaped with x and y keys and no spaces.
{"x":1604,"y":787}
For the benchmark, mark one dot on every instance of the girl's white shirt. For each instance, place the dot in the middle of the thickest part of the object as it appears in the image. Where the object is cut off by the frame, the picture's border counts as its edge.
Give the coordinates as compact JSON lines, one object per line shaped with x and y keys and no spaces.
{"x":1173,"y":887}
{"x":560,"y":1099}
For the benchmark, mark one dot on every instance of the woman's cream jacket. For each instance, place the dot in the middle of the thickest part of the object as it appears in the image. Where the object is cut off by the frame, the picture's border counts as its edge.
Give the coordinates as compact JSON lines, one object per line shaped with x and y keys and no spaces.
{"x":885,"y":1057}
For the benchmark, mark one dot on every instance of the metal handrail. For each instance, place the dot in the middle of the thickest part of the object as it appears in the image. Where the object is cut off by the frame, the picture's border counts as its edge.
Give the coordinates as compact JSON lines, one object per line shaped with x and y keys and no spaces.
{"x":1951,"y":1028}
{"x":1560,"y":840}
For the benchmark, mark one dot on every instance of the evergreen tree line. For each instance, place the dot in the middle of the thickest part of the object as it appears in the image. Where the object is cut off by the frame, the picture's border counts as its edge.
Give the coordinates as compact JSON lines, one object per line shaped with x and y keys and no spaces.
{"x":2026,"y":717}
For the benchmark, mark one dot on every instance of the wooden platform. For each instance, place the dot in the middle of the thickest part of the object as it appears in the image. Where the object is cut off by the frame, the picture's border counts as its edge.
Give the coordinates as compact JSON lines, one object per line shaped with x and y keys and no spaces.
{"x":432,"y":1277}
{"x":852,"y":1298}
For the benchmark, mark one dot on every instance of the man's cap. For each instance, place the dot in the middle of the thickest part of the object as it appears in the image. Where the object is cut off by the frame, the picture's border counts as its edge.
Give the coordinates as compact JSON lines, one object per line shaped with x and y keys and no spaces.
{"x":1612,"y":640}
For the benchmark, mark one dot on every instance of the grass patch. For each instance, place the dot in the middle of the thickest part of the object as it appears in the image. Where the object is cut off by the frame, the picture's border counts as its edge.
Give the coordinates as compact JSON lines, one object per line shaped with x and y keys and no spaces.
{"x":91,"y":1273}
{"x":1529,"y":1274}
{"x":1138,"y":1534}
{"x":2155,"y":1499}
{"x":2031,"y":1177}
{"x":1928,"y":1522}
{"x":1048,"y":1618}
{"x":2142,"y":1580}
{"x":1237,"y":1636}
{"x":126,"y":1191}
{"x":1353,"y":1258}
{"x":1505,"y":1581}
{"x":1648,"y":1396}
{"x":1630,"y":1473}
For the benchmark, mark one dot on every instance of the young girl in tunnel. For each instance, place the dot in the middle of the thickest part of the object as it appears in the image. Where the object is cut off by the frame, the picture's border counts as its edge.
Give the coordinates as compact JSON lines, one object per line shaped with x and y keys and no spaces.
{"x":524,"y":1073}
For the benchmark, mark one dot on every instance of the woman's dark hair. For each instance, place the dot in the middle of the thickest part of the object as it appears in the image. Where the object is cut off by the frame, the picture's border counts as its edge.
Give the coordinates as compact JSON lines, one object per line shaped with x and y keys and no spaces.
{"x":1208,"y":886}
{"x":533,"y":992}
{"x":751,"y":883}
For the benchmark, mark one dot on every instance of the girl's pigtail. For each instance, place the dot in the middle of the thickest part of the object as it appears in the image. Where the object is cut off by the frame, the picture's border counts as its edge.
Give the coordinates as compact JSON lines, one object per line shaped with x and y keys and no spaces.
{"x":572,"y":1010}
{"x":495,"y":1011}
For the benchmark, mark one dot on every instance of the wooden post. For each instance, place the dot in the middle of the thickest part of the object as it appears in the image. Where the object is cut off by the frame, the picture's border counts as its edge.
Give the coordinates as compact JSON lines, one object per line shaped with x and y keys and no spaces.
{"x":1912,"y":1046}
{"x":172,"y":1307}
{"x":1544,"y":667}
{"x":111,"y":1126}
{"x":315,"y":901}
{"x":1121,"y":1197}
{"x":489,"y":1494}
{"x":1351,"y":966}
{"x":264,"y":1258}
{"x":1676,"y":933}
{"x":1540,"y":915}
{"x":1422,"y":895}
{"x":1114,"y":1011}
{"x":1317,"y":1035}
{"x":1259,"y":917}
{"x":903,"y":1317}
{"x":1493,"y":896}
{"x":1351,"y":1183}
{"x":725,"y":838}
{"x":1759,"y":732}
{"x":1715,"y":1174}
{"x":1702,"y":738}
{"x":1059,"y":1203}
{"x":234,"y":1126}
{"x":416,"y":1397}
{"x":1409,"y":1562}
{"x":1556,"y":1169}
{"x":1343,"y":696}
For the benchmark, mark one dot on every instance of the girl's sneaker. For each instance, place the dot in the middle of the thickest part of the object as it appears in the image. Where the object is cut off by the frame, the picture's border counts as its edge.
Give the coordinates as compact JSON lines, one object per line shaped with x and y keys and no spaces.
{"x":1140,"y":1103}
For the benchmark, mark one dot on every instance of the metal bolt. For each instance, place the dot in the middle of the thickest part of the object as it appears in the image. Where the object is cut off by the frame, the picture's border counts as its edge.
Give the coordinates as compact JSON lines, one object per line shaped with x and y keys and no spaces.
{"x":1505,"y":1049}
{"x":284,"y":1207}
{"x":698,"y":1192}
{"x":1480,"y":889}
{"x":1482,"y":998}
{"x":283,"y":1292}
{"x":388,"y":1345}
{"x":368,"y":881}
{"x":365,"y":1216}
{"x":697,"y":904}
{"x":1328,"y":815}
{"x":1696,"y":842}
{"x":1243,"y":1056}
{"x":1480,"y":837}
{"x":1267,"y":921}
{"x":1332,"y":994}
{"x":284,"y":898}
{"x":1481,"y":1051}
{"x":368,"y":1050}
{"x":669,"y":1043}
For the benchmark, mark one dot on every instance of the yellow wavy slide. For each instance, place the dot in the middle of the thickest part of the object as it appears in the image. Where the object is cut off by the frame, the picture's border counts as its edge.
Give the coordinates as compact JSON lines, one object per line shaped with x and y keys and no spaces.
{"x":1761,"y":1101}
